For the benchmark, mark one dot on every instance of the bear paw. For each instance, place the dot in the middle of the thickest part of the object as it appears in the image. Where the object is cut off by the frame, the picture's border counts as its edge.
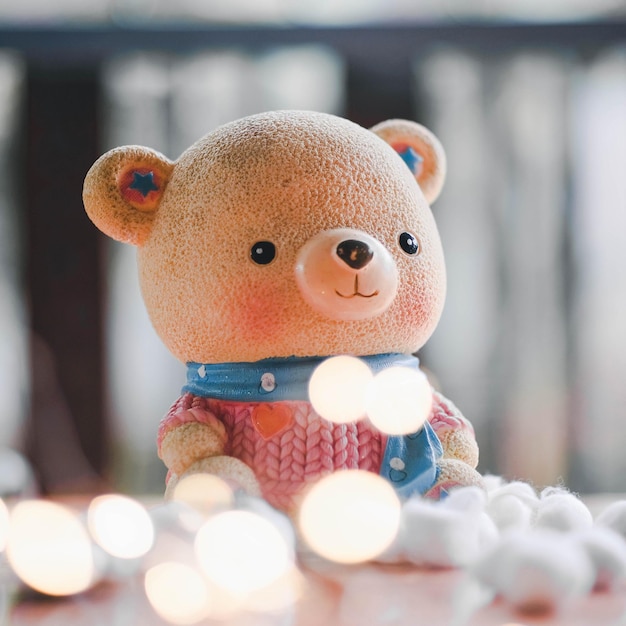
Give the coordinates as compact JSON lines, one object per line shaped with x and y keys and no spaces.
{"x":453,"y":473}
{"x":235,"y":472}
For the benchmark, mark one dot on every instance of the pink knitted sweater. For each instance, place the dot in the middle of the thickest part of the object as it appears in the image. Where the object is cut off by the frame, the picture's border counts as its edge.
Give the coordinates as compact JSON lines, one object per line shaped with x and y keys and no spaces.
{"x":288,"y":445}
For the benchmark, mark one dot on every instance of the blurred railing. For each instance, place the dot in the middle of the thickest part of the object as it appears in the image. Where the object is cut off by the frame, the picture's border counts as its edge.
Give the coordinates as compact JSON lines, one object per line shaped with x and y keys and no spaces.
{"x":61,"y":135}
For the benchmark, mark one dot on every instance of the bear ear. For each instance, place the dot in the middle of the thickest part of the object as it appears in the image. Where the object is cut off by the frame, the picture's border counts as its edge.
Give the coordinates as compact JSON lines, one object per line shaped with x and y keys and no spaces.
{"x":123,"y":190}
{"x":420,"y":150}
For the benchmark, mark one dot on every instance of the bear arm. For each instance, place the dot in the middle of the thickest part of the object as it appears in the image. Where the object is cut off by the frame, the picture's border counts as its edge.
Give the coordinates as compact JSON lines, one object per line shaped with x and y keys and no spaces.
{"x":188,"y":435}
{"x":454,"y":431}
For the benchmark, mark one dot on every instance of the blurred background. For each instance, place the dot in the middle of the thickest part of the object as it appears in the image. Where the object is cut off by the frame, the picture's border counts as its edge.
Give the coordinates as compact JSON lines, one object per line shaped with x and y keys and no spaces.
{"x":529,"y":100}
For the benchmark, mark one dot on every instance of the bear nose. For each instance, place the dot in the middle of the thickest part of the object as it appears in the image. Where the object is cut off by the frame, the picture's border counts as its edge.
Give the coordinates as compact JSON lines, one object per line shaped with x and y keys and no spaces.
{"x":357,"y":254}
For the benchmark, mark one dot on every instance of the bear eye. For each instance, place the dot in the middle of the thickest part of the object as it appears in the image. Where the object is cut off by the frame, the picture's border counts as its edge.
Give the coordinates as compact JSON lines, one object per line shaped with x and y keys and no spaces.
{"x":409,"y":243}
{"x":263,"y":252}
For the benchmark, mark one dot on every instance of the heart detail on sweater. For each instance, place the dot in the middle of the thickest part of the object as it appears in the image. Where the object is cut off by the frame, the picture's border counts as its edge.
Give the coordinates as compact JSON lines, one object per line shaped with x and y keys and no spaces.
{"x":271,"y":419}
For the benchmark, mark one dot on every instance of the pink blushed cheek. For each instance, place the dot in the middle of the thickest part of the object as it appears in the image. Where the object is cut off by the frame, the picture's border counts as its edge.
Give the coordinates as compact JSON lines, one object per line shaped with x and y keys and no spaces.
{"x":258,"y":312}
{"x":416,"y":308}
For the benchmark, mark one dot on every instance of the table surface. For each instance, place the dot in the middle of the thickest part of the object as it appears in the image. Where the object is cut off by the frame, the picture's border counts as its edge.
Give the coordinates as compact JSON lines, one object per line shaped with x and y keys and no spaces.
{"x":369,"y":595}
{"x":365,"y":595}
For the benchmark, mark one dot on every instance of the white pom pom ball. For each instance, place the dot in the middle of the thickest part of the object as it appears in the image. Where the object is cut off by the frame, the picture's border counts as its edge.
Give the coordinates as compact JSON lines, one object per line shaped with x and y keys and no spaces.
{"x":563,"y":511}
{"x":536,"y":571}
{"x":614,"y":517}
{"x":607,"y":551}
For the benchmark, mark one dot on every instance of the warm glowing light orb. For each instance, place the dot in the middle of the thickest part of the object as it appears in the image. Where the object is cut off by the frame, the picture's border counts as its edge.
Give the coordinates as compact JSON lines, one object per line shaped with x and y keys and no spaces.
{"x":4,"y":525}
{"x":120,"y":525}
{"x":49,"y":549}
{"x":242,"y":552}
{"x":350,"y":516}
{"x":338,"y":387}
{"x":177,"y":593}
{"x":204,"y":492}
{"x":279,"y":595}
{"x":399,"y":400}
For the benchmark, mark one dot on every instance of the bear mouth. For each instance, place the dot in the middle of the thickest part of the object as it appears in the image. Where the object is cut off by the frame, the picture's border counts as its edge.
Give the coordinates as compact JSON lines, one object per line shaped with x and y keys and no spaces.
{"x":356,"y":293}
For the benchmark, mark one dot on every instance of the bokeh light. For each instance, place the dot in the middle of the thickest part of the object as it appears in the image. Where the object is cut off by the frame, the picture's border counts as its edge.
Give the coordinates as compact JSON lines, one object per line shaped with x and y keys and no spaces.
{"x":120,"y":525}
{"x":399,"y":400}
{"x":242,"y":552}
{"x":278,"y":595}
{"x":338,"y":387}
{"x":350,"y":516}
{"x":4,"y":525}
{"x":177,"y":593}
{"x":49,"y":549}
{"x":204,"y":492}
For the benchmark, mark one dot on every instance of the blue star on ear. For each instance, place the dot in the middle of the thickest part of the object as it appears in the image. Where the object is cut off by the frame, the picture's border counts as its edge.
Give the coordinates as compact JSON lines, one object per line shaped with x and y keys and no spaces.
{"x":412,"y":159}
{"x":143,"y":183}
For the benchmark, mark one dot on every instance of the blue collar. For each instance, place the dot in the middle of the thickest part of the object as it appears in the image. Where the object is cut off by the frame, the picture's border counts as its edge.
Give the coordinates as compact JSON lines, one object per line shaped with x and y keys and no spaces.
{"x":270,"y":380}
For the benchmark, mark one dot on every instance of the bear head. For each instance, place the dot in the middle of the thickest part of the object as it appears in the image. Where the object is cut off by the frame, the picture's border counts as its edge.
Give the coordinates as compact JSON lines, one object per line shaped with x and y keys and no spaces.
{"x":282,"y":234}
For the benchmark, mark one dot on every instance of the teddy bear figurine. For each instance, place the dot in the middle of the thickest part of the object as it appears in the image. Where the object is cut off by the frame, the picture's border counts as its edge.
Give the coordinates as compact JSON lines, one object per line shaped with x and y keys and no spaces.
{"x":272,"y":243}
